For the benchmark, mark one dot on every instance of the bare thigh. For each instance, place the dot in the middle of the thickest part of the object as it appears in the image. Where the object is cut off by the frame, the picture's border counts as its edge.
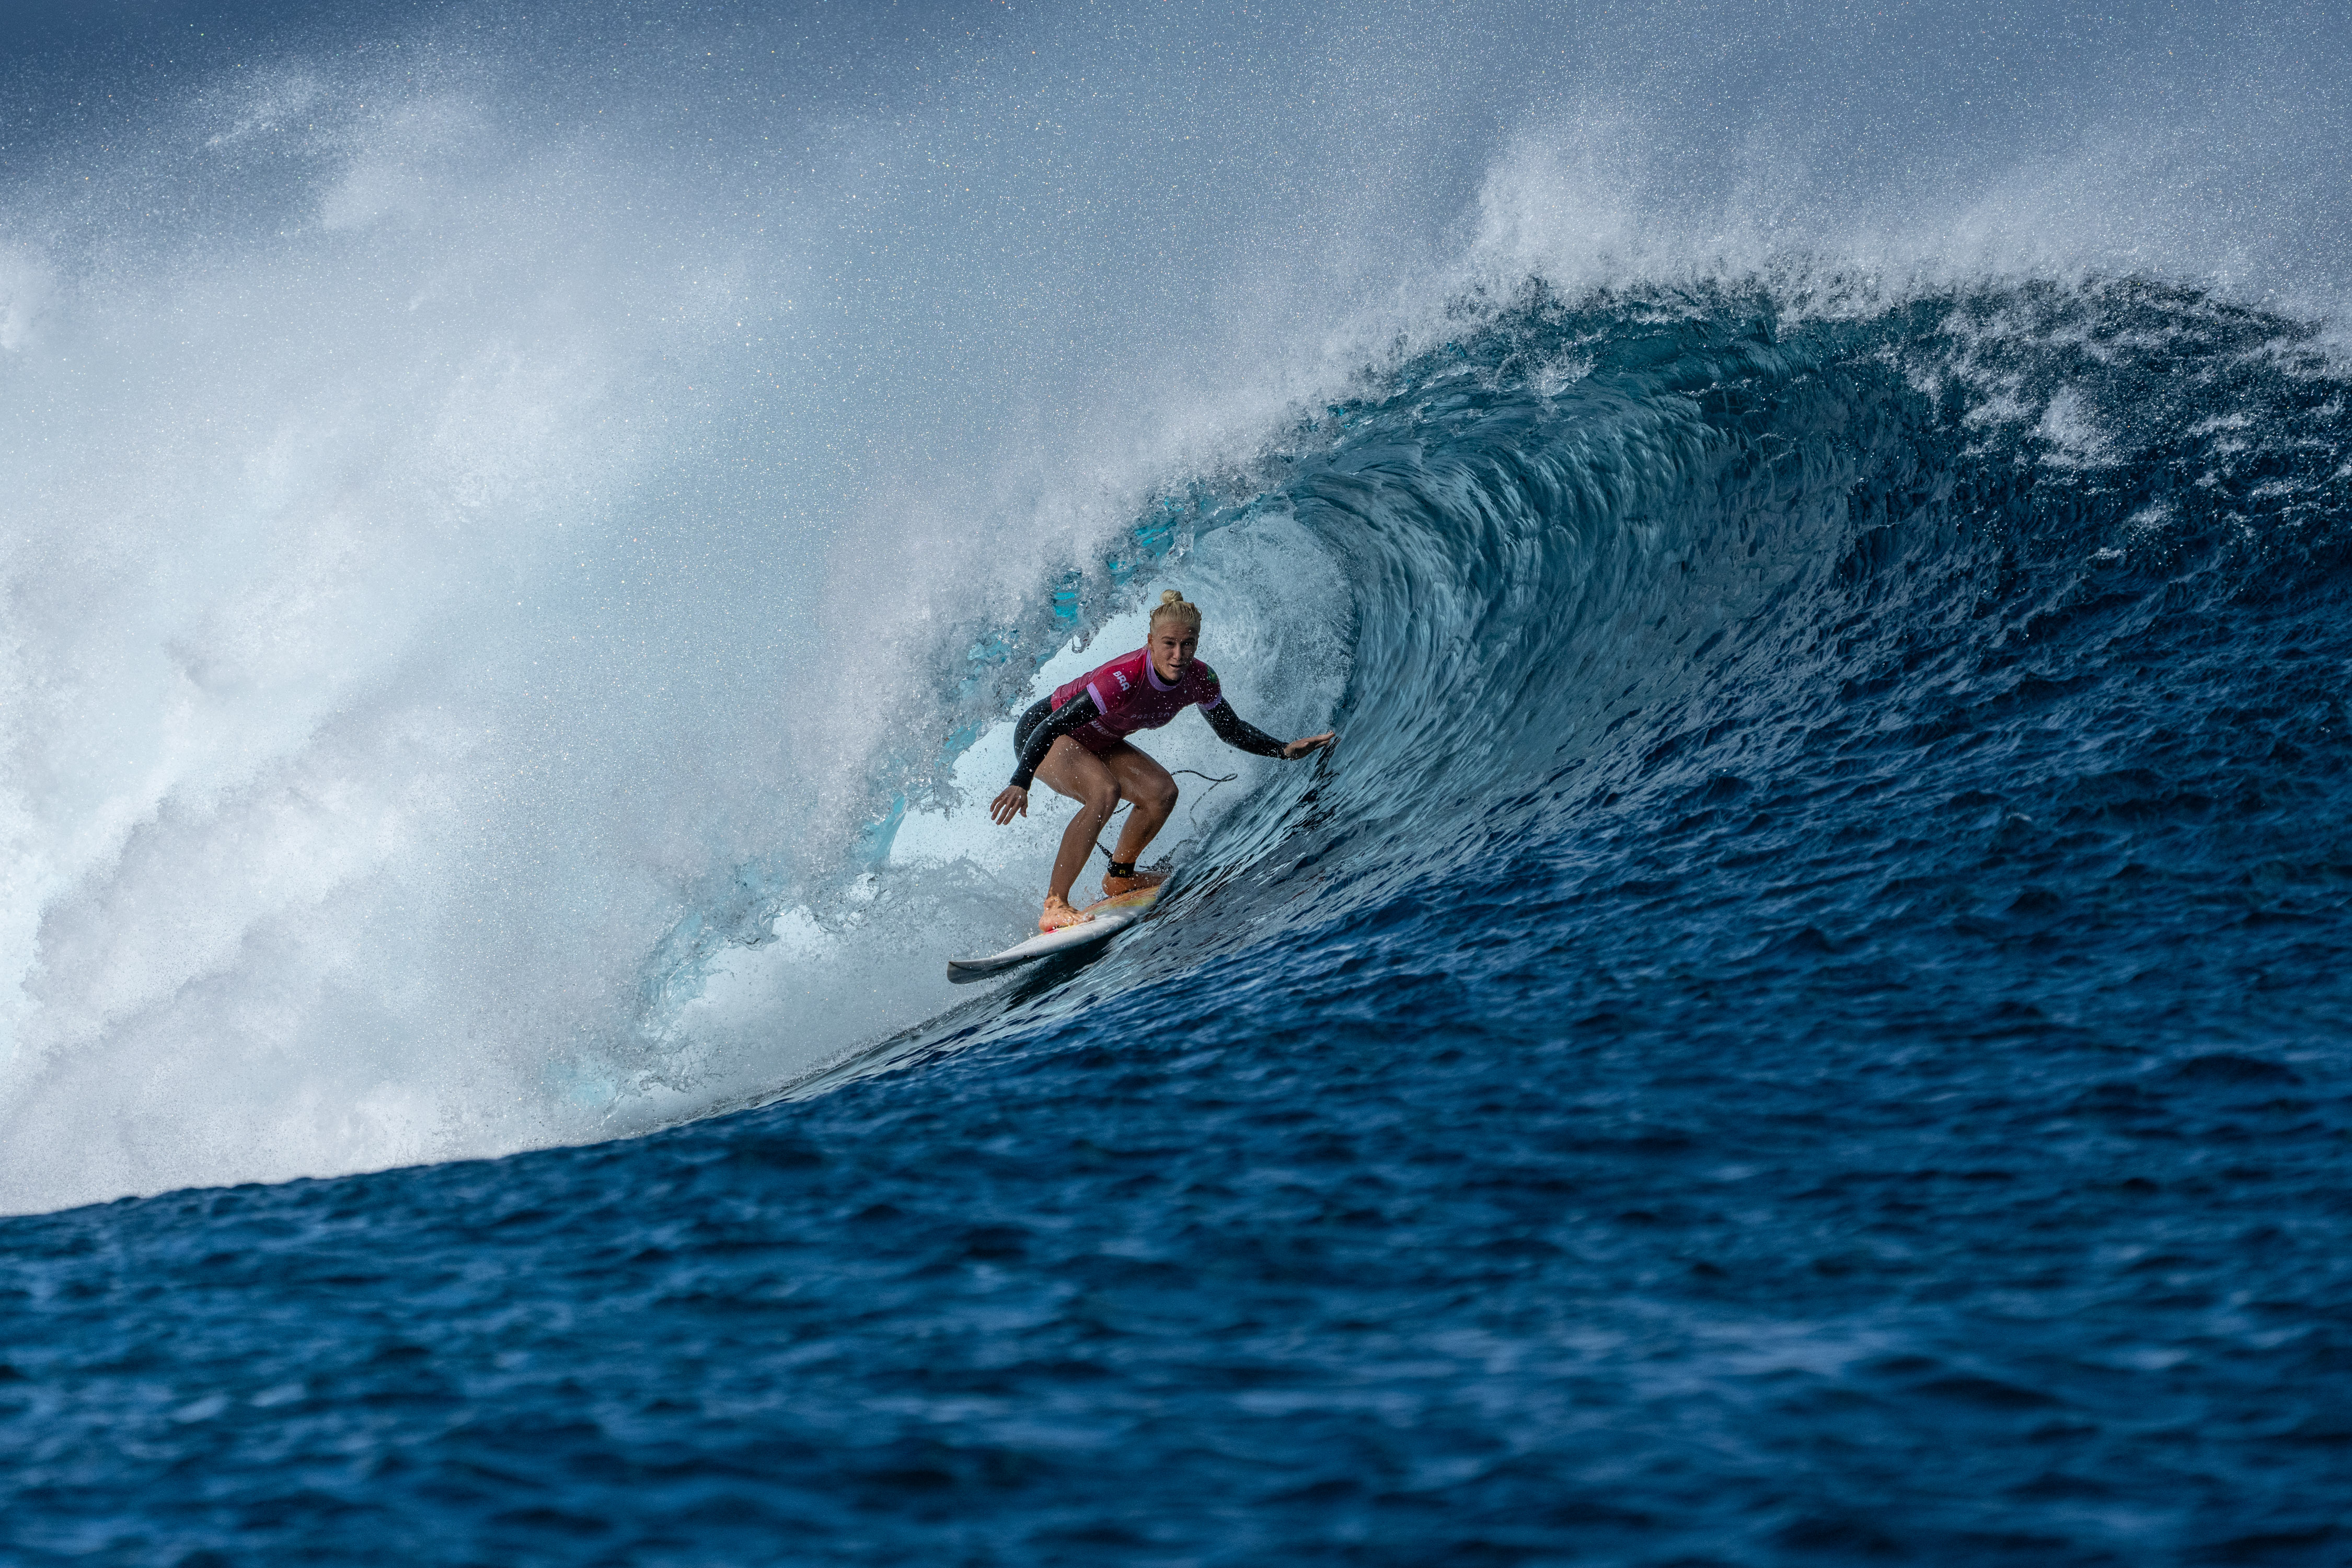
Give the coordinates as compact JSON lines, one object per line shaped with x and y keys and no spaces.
{"x":1071,"y":770}
{"x":1140,"y":778}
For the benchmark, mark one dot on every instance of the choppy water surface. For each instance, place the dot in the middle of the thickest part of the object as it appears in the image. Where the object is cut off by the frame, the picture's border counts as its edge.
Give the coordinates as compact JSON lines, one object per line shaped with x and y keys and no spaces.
{"x":1804,"y":1023}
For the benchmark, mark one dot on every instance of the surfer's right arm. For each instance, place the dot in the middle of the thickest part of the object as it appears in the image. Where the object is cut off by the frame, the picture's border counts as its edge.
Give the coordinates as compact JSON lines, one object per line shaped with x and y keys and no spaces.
{"x":1015,"y":799}
{"x":1237,"y":732}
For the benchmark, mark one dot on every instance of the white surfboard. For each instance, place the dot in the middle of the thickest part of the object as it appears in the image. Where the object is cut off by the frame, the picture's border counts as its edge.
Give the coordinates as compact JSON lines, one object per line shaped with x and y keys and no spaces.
{"x":1104,"y":920}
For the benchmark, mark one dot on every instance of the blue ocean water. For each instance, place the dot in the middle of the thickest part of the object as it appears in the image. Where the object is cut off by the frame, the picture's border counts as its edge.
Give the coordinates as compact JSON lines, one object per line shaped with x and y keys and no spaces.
{"x":1802,"y":1025}
{"x":1803,"y":1022}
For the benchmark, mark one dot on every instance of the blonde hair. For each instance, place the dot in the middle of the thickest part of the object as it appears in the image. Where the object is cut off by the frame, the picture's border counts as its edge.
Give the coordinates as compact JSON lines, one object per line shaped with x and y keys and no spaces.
{"x":1173,"y":602}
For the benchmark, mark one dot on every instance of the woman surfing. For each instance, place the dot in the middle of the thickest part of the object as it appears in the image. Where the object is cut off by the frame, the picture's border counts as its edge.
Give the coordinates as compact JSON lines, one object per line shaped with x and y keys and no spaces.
{"x":1077,"y":740}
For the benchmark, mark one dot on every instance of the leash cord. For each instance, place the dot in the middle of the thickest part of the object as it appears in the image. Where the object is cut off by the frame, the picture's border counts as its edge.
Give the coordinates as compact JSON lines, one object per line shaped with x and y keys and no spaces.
{"x":1189,"y":815}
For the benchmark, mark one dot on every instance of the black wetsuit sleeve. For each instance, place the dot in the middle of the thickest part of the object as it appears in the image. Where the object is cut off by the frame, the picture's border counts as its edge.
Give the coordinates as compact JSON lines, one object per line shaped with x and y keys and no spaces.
{"x":1079,"y":710}
{"x":1235,"y":730}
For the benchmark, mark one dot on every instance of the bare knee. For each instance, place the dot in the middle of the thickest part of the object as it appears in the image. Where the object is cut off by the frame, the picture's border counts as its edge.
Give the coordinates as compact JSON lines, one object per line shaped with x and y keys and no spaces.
{"x":1162,"y":798}
{"x":1101,"y":802}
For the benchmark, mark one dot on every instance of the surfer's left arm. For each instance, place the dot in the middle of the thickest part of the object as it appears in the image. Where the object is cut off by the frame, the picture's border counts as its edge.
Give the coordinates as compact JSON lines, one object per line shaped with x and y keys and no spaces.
{"x":1237,"y":732}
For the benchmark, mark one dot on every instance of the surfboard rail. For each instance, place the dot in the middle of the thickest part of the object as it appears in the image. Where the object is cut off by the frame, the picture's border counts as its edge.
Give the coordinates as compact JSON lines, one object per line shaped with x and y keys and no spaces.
{"x":1102,"y":920}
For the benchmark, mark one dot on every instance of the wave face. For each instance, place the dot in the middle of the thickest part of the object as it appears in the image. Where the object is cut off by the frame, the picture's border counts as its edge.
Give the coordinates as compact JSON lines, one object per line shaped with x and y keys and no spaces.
{"x":1802,"y":1021}
{"x":1805,"y":985}
{"x":1793,"y":648}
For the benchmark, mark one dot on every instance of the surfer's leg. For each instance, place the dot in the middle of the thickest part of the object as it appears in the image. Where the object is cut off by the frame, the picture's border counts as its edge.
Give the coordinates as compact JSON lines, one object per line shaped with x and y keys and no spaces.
{"x":1071,"y":770}
{"x":1153,"y":791}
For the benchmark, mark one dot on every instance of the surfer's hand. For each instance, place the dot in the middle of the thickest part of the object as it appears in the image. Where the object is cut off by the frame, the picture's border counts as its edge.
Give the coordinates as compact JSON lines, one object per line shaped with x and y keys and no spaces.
{"x":1012,"y":803}
{"x":1312,"y":744}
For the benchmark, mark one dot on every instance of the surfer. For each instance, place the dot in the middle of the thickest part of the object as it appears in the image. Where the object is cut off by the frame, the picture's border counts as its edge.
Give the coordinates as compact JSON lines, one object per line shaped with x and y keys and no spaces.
{"x":1077,"y":740}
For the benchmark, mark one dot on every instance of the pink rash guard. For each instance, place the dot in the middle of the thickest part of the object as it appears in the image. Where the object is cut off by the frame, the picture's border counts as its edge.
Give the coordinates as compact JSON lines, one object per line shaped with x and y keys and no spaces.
{"x":1100,"y":709}
{"x":1129,"y":696}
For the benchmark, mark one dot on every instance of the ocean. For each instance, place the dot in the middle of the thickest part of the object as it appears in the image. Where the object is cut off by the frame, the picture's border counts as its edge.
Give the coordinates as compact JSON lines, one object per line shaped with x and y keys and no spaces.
{"x":1803,"y":1021}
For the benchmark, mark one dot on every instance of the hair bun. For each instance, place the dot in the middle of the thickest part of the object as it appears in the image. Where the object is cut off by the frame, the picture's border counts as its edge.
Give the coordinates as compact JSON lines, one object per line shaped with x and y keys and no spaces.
{"x":1173,"y":602}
